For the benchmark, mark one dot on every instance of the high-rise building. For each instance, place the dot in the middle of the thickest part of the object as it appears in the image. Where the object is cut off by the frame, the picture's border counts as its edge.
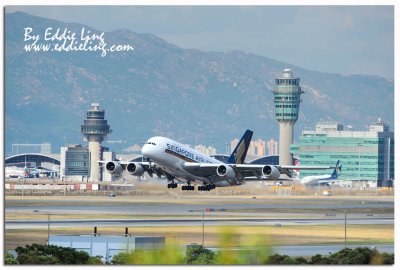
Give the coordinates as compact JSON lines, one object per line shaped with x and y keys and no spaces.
{"x":256,"y":148}
{"x":365,"y":155}
{"x":273,"y":147}
{"x":287,"y":103}
{"x":75,"y":163}
{"x":206,"y":150}
{"x":95,"y":129}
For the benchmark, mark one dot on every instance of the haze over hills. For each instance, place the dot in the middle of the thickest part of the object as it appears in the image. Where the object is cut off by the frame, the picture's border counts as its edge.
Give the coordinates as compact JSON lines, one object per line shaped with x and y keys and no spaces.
{"x":161,"y":89}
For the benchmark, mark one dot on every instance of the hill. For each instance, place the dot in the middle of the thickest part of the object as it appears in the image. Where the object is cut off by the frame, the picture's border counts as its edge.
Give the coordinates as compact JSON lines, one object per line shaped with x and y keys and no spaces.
{"x":162,"y":89}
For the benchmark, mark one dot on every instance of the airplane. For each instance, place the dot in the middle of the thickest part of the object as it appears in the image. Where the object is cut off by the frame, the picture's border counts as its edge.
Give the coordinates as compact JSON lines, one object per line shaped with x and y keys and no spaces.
{"x":326,"y":179}
{"x":16,"y":172}
{"x":179,"y":162}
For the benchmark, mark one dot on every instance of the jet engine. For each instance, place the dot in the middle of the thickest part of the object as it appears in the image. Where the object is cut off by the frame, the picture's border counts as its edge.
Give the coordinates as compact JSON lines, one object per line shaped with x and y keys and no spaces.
{"x":271,"y":172}
{"x":113,"y":167}
{"x":225,"y":171}
{"x":135,"y":169}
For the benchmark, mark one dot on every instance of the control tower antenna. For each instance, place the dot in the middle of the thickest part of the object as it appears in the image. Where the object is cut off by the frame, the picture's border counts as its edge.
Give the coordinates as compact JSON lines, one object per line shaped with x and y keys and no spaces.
{"x":95,"y":129}
{"x":287,"y":103}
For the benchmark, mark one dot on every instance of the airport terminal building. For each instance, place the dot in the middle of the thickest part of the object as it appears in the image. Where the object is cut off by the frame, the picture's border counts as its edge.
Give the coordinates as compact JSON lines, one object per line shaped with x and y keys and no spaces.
{"x":366,"y":155}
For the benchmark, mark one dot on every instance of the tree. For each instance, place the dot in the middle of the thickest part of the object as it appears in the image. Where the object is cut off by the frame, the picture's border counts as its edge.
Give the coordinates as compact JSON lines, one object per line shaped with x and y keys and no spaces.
{"x":300,"y":260}
{"x":281,"y":259}
{"x":361,"y":255}
{"x":319,"y":259}
{"x":199,"y":255}
{"x":387,"y":258}
{"x":43,"y":254}
{"x":121,"y":258}
{"x":9,"y":259}
{"x":167,"y":255}
{"x":95,"y":260}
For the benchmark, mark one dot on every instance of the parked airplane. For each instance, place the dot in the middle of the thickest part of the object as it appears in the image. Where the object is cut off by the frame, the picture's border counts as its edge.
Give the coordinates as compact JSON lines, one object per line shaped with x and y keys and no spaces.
{"x":177,"y":161}
{"x":16,"y":172}
{"x":326,"y":179}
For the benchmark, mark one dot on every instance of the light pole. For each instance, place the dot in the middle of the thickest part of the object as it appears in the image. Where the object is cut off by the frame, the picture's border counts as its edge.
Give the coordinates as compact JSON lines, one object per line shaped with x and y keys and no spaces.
{"x":359,"y":166}
{"x":48,"y":223}
{"x":345,"y":228}
{"x":202,"y":242}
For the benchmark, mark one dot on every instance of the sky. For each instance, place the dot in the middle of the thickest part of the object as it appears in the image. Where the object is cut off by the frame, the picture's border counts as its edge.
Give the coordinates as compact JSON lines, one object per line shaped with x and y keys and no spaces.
{"x":335,"y":39}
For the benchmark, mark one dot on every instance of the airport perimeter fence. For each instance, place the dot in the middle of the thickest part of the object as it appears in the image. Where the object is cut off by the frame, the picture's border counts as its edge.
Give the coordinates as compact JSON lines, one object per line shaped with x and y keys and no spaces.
{"x":74,"y":193}
{"x":280,"y":191}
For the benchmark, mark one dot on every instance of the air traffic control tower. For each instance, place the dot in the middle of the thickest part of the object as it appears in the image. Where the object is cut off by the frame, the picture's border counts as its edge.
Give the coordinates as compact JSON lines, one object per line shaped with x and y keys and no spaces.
{"x":287,"y":103}
{"x":95,"y":129}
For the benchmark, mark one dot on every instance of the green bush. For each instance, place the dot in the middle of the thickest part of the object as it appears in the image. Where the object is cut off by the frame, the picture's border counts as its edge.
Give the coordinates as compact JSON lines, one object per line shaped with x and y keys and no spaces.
{"x":199,"y":255}
{"x":166,"y":255}
{"x":319,"y":259}
{"x":43,"y":254}
{"x":9,"y":259}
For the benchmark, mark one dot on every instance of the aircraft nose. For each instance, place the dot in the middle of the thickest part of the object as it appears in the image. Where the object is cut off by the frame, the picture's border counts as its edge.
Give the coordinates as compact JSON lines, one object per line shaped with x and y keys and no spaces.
{"x":147,"y":150}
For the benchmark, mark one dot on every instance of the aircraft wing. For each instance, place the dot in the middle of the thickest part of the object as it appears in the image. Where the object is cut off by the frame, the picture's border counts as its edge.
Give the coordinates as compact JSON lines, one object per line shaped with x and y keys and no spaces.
{"x":134,"y":168}
{"x":201,"y":169}
{"x":247,"y":171}
{"x":144,"y":164}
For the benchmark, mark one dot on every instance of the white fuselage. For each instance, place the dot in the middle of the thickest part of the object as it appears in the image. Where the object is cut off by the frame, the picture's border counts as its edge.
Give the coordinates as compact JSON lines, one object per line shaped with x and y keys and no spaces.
{"x":315,"y":179}
{"x":11,"y":172}
{"x":171,"y":155}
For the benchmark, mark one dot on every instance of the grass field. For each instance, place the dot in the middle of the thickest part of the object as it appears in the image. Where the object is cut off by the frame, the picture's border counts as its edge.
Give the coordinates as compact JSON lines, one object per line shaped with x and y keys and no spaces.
{"x":285,"y":235}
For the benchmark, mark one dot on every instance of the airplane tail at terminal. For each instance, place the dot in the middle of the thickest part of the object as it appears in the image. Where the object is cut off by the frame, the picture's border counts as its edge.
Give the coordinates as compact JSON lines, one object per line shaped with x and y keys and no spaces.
{"x":336,"y":171}
{"x":239,"y":154}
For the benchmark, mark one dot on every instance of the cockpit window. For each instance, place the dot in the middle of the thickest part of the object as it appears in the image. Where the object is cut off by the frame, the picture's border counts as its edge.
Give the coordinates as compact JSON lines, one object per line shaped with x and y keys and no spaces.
{"x":151,"y":143}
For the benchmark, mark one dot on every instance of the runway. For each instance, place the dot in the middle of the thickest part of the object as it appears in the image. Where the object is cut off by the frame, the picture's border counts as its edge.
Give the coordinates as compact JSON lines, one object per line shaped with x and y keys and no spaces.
{"x":41,"y":224}
{"x":218,"y":212}
{"x":167,"y":208}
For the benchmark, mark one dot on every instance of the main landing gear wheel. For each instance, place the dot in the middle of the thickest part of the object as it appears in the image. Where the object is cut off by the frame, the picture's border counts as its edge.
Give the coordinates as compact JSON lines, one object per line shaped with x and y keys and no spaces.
{"x":188,"y":187}
{"x":172,"y":185}
{"x":206,"y":187}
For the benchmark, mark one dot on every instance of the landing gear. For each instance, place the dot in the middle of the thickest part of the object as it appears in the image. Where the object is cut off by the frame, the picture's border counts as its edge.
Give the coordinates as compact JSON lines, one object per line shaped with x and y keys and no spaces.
{"x":206,"y":187}
{"x":172,"y":185}
{"x":188,"y":187}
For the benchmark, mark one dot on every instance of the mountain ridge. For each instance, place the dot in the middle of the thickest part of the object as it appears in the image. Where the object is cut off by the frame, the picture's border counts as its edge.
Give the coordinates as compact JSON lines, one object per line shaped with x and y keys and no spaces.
{"x":162,"y":89}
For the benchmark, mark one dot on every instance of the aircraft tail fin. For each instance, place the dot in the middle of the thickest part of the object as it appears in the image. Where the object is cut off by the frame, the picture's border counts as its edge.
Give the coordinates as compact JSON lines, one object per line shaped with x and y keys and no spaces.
{"x":336,"y":171}
{"x":239,"y":154}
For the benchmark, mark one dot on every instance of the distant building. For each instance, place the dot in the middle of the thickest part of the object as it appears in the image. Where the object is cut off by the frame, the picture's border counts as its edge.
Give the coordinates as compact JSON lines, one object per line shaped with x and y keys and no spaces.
{"x":366,"y":155}
{"x":45,"y":161}
{"x":273,"y":147}
{"x":95,"y":129}
{"x":256,"y":148}
{"x":108,"y":245}
{"x":22,"y":148}
{"x":206,"y":150}
{"x":234,"y":142}
{"x":75,"y":163}
{"x":287,"y":92}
